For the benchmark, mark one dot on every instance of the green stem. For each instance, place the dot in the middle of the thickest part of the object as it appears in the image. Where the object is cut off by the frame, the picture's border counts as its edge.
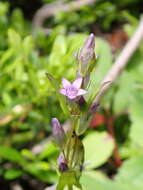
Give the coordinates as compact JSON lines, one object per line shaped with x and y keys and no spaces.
{"x":73,"y":154}
{"x":74,"y":122}
{"x":68,"y":149}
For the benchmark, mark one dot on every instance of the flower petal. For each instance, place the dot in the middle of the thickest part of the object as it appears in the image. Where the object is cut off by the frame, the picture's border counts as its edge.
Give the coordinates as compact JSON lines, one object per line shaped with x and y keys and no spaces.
{"x":63,"y":91}
{"x":81,"y":92}
{"x":65,"y":83}
{"x":77,"y":83}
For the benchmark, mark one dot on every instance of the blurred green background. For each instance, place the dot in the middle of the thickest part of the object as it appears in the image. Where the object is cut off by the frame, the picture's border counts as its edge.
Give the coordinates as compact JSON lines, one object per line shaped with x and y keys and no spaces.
{"x":28,"y":101}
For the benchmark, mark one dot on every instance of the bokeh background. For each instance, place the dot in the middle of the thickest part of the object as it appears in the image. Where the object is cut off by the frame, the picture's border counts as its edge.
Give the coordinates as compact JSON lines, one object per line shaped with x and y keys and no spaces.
{"x":39,"y":36}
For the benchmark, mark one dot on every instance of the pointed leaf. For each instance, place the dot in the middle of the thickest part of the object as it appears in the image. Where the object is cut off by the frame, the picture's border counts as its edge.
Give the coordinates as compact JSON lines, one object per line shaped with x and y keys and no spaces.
{"x":68,"y":179}
{"x":56,"y":86}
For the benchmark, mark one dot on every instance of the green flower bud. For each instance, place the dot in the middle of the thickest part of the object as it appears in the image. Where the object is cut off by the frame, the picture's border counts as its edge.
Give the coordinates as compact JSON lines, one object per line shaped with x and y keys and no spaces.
{"x":86,"y":56}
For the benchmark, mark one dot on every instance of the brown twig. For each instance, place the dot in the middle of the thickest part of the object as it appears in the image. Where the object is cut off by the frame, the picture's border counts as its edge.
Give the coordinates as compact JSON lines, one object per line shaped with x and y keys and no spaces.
{"x":121,"y":60}
{"x":52,"y":9}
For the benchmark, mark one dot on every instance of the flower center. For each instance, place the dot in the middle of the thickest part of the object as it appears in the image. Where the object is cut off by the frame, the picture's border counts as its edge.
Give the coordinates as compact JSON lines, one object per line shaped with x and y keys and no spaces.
{"x":72,"y":91}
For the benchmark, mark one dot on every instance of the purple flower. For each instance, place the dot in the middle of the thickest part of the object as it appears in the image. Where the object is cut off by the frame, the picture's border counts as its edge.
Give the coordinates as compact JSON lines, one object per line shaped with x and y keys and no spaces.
{"x":72,"y":90}
{"x":58,"y":132}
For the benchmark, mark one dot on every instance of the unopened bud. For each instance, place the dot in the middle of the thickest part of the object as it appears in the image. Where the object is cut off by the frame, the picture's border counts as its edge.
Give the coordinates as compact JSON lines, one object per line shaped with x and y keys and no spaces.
{"x":90,"y":42}
{"x":58,"y":132}
{"x":87,"y":56}
{"x":94,"y":107}
{"x":62,"y":164}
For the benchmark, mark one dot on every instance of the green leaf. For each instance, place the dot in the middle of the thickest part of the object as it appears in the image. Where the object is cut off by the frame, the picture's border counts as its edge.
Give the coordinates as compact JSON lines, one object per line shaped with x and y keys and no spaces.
{"x":48,"y":151}
{"x":58,"y":52}
{"x":28,"y":45}
{"x":83,"y":123}
{"x":92,"y":180}
{"x":21,"y":138}
{"x":12,"y":174}
{"x":131,"y":172}
{"x":98,"y":148}
{"x":136,"y":132}
{"x":61,"y":58}
{"x":130,"y":149}
{"x":12,"y":155}
{"x":4,"y":7}
{"x":136,"y":115}
{"x":41,"y":170}
{"x":14,"y":39}
{"x":125,"y":90}
{"x":74,"y":152}
{"x":95,"y":181}
{"x":28,"y":154}
{"x":6,"y":55}
{"x":68,"y":179}
{"x":62,"y":100}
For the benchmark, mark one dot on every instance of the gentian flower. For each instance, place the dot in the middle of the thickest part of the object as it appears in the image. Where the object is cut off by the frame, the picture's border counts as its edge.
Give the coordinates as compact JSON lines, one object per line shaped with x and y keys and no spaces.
{"x":72,"y":90}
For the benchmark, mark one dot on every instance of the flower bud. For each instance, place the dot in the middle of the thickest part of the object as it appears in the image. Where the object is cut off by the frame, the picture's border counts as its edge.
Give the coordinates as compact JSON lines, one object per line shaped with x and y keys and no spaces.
{"x":62,"y":164}
{"x":94,"y":107}
{"x":86,"y":56}
{"x":58,"y":132}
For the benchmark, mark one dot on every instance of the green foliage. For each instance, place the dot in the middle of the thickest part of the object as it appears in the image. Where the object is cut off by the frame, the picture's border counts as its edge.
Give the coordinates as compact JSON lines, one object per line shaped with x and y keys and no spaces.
{"x":94,"y":180}
{"x":98,"y":148}
{"x":62,"y":57}
{"x":12,"y":155}
{"x":12,"y":174}
{"x":102,"y":13}
{"x":126,"y":82}
{"x":128,"y":177}
{"x":137,"y":119}
{"x":35,"y":166}
{"x":131,"y":171}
